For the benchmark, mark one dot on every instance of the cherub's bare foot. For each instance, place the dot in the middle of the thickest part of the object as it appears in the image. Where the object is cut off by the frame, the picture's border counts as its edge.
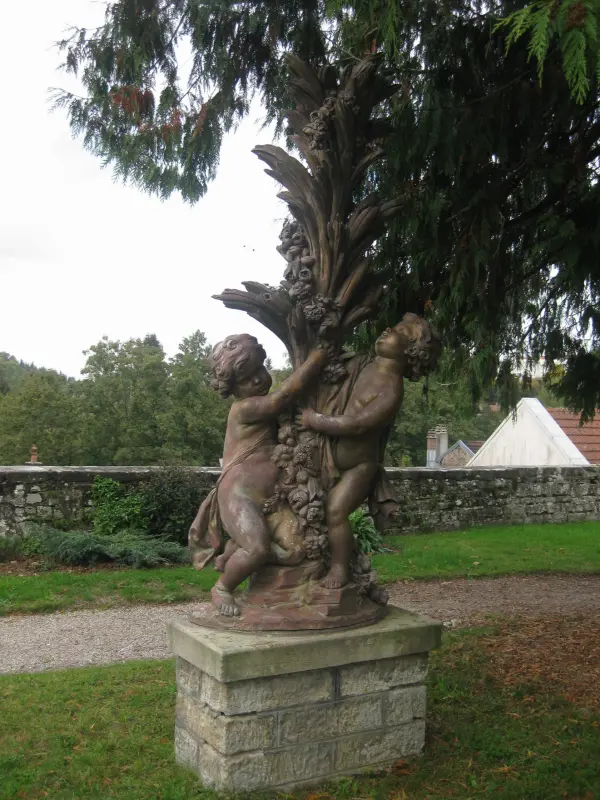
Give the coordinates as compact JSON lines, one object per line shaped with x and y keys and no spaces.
{"x":224,"y":601}
{"x":336,"y":577}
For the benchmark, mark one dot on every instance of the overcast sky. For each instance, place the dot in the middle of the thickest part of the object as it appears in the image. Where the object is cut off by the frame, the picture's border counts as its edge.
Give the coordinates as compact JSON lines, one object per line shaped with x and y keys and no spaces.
{"x":82,"y":256}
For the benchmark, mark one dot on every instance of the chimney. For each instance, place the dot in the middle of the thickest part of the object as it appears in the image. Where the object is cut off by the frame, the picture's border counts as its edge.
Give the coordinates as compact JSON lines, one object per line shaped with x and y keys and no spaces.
{"x":441,"y":442}
{"x":431,"y":440}
{"x":33,"y":457}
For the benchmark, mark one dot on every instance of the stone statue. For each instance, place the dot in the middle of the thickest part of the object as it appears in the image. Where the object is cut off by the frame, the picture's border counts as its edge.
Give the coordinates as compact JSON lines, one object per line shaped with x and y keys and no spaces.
{"x":248,"y":476}
{"x":299,"y":460}
{"x":410,"y":350}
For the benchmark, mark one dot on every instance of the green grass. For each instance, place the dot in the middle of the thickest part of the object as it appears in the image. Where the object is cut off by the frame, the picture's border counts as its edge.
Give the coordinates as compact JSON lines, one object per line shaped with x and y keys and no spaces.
{"x":475,"y":553}
{"x":56,"y":591}
{"x":570,"y":547}
{"x":107,"y":732}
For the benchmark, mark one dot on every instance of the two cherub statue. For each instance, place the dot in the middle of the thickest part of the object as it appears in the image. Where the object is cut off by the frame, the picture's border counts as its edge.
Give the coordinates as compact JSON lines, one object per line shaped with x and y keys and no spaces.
{"x":233,"y":526}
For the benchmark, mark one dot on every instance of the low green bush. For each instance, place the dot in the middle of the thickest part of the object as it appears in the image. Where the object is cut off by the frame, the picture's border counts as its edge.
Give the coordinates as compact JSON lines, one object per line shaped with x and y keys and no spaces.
{"x":163,"y":505}
{"x":31,"y":542}
{"x":115,"y":507}
{"x":11,"y":548}
{"x":127,"y":548}
{"x":170,"y":499}
{"x":365,"y":533}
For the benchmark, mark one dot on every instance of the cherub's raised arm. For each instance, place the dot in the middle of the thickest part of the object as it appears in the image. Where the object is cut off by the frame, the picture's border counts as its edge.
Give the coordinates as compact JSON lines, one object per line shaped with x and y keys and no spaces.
{"x":270,"y":405}
{"x":378,"y":413}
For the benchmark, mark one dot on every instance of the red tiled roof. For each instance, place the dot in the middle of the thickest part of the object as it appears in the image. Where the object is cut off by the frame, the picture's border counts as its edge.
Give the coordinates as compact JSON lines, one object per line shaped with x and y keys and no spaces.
{"x":586,"y":438}
{"x":474,"y":446}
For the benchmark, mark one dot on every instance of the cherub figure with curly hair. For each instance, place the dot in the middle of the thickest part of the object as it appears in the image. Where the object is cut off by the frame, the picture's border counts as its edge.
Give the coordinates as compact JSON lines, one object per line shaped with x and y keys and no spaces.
{"x":248,"y":476}
{"x":354,"y":437}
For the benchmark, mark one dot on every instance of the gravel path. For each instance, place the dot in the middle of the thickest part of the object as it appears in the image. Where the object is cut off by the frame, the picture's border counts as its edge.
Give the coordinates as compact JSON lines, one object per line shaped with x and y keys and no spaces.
{"x":80,"y":638}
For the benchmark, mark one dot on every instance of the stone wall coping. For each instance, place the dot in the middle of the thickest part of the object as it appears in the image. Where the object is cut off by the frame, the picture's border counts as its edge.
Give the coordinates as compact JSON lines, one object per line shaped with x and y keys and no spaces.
{"x":230,"y":656}
{"x":85,"y":473}
{"x":75,"y":474}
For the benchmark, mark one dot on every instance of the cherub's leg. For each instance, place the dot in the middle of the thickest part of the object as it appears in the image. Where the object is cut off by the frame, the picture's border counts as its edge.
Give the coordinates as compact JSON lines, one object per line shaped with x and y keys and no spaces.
{"x":246,"y":524}
{"x":229,"y":550}
{"x":346,"y":496}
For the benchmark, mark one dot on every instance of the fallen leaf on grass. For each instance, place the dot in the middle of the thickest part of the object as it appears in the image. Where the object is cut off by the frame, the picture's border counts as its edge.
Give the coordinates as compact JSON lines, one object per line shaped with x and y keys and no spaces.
{"x":401,"y":768}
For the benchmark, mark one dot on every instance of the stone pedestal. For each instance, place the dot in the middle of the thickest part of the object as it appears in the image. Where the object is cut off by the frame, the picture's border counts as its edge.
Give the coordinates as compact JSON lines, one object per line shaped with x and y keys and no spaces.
{"x":278,"y":710}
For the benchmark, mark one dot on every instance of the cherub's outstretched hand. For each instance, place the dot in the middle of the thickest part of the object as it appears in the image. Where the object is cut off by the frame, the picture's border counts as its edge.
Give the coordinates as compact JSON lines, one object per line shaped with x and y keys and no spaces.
{"x":306,"y":420}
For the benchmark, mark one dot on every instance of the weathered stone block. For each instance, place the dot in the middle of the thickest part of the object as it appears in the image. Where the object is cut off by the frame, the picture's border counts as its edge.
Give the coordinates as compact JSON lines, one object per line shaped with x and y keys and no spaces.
{"x":330,"y":720}
{"x":186,"y":749}
{"x":33,"y":498}
{"x":364,"y":750}
{"x":377,"y":676}
{"x":188,"y":677}
{"x":262,"y":770}
{"x":404,"y":705}
{"x":228,"y":735}
{"x":266,"y":694}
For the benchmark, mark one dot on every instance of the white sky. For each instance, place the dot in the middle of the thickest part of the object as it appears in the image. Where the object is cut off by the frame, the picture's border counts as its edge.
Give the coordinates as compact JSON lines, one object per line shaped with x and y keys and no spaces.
{"x":82,"y":256}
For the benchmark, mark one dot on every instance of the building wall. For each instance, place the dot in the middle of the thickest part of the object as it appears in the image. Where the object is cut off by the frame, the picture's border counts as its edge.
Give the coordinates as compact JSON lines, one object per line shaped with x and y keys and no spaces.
{"x":442,"y":499}
{"x":528,"y":437}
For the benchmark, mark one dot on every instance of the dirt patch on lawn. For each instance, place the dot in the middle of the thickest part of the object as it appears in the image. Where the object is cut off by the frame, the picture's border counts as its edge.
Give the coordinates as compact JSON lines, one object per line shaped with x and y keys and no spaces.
{"x":550,"y":654}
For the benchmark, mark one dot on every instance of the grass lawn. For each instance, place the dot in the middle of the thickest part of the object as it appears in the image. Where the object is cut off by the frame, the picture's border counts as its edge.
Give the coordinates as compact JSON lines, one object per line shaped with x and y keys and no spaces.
{"x":56,"y":591}
{"x":496,"y":729}
{"x":569,"y":547}
{"x":478,"y":552}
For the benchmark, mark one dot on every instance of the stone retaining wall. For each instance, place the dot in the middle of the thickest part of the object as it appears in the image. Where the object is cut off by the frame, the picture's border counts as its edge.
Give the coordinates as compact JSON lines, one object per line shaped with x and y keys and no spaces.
{"x":430,"y":499}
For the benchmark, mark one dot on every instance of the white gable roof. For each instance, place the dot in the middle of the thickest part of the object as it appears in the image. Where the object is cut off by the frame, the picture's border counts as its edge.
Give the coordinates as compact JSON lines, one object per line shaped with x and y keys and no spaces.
{"x":529,"y":436}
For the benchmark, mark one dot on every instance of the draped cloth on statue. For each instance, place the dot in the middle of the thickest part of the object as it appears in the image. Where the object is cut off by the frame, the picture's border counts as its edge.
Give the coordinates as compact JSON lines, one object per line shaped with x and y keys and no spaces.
{"x":207,"y":535}
{"x":333,"y":399}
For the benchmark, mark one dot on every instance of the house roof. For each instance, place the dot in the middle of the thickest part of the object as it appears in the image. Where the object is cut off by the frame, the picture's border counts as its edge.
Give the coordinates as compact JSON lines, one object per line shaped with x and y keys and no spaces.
{"x":586,"y":438}
{"x":463,"y":446}
{"x":529,"y":408}
{"x":475,"y":446}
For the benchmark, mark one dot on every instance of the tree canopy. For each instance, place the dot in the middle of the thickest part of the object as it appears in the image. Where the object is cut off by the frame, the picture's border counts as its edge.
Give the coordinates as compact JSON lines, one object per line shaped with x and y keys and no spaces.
{"x":495,"y":148}
{"x":13,"y":372}
{"x":135,"y":406}
{"x":132,"y":406}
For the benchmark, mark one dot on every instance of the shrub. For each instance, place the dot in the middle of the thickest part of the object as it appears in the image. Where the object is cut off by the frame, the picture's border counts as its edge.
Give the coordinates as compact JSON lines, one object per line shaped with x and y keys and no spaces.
{"x":124,"y":548}
{"x":115,"y":507}
{"x":366,"y":534}
{"x":72,"y":548}
{"x":163,"y":505}
{"x":170,"y":499}
{"x":11,"y":548}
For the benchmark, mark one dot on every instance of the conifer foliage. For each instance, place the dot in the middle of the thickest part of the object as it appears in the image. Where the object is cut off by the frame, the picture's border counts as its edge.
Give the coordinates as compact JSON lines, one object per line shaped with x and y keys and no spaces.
{"x":494,"y":149}
{"x":573,"y":24}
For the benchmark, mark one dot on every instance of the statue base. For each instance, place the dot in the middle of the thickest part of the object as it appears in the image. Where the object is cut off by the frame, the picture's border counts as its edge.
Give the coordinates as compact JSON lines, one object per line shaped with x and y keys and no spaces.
{"x":292,"y":599}
{"x":280,"y":710}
